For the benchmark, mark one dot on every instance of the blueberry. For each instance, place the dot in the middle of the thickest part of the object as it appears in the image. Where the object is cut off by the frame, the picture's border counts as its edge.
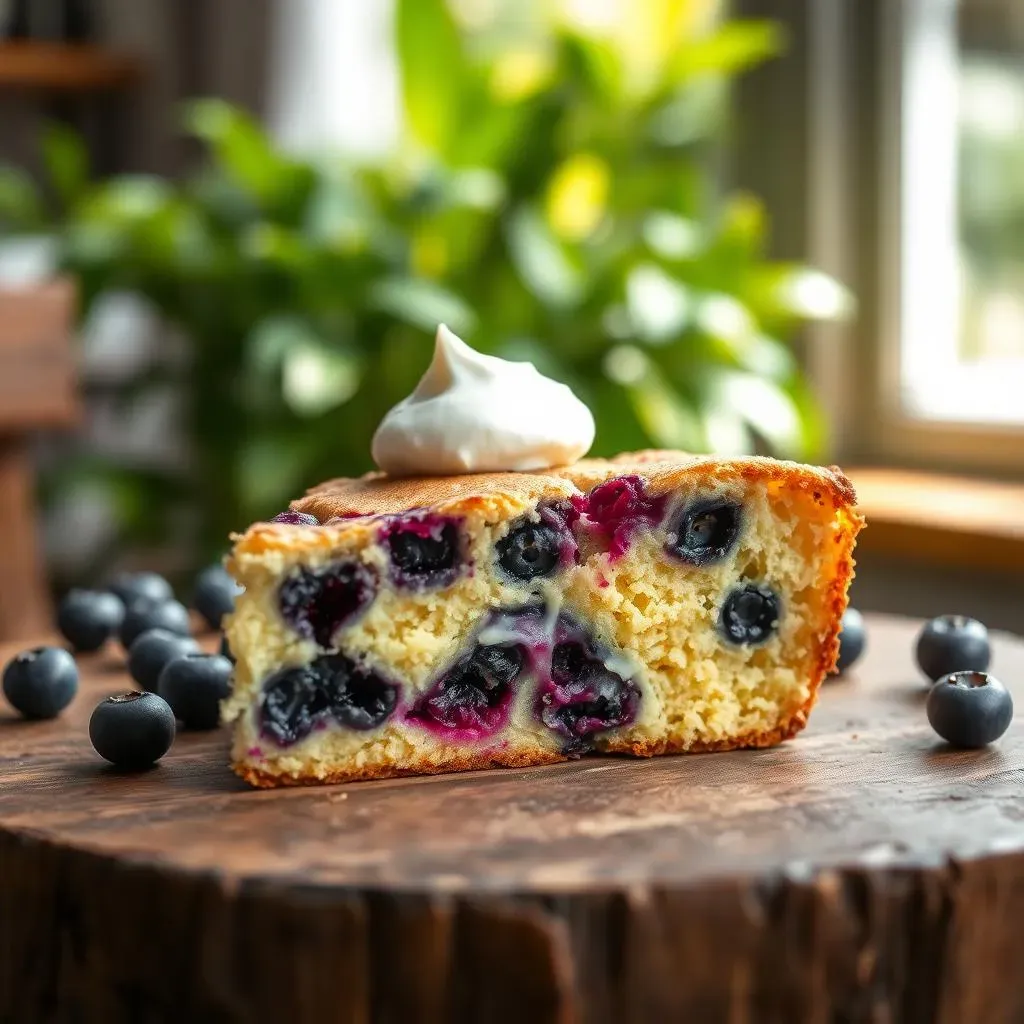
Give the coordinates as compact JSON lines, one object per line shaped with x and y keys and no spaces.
{"x":424,"y":551}
{"x":293,"y":702}
{"x":475,"y":693}
{"x":145,"y":614}
{"x":194,"y":686}
{"x":133,"y":586}
{"x":316,"y":603}
{"x":42,"y":682}
{"x":214,"y":594}
{"x":969,"y":708}
{"x":951,"y":643}
{"x":152,"y":650}
{"x":530,"y":550}
{"x":357,"y":696}
{"x":584,"y":696}
{"x":852,"y":639}
{"x":707,"y":531}
{"x":750,"y":614}
{"x":296,"y":518}
{"x":88,"y":618}
{"x":132,"y":730}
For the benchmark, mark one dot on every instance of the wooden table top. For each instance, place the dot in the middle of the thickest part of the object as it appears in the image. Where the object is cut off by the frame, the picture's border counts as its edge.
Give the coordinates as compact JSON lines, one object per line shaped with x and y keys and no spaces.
{"x":867,"y":781}
{"x":867,"y":792}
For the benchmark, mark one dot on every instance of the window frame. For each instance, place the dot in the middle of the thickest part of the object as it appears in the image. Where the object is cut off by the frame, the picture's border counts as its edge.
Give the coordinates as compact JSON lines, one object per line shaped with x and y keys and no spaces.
{"x":843,"y":206}
{"x":960,"y":444}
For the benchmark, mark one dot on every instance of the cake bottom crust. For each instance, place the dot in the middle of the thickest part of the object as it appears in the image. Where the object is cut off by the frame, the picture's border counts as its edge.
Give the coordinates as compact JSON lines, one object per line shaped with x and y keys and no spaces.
{"x":526,"y":757}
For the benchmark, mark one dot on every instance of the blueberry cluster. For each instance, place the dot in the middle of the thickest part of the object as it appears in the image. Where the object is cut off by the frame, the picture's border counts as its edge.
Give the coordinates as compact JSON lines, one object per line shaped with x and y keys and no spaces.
{"x":334,"y":687}
{"x":583,"y":696}
{"x":474,"y":696}
{"x":577,"y":697}
{"x":178,"y":683}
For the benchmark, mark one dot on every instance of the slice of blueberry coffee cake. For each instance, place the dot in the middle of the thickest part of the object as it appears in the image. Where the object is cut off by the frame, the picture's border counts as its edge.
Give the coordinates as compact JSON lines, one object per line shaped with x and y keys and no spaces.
{"x":656,"y":602}
{"x":649,"y":604}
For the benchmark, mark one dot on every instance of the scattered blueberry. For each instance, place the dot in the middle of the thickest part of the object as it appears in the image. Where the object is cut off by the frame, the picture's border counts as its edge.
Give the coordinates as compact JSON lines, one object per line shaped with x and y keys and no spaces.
{"x":969,"y":708}
{"x":144,"y":615}
{"x":316,"y":603}
{"x":153,"y":650}
{"x":88,"y":618}
{"x":214,"y":594}
{"x":296,"y":700}
{"x":475,"y":694}
{"x":296,"y":518}
{"x":584,"y":696}
{"x":750,"y":614}
{"x":530,"y":550}
{"x":424,"y":551}
{"x":132,"y":730}
{"x":194,"y":686}
{"x":952,"y":643}
{"x":707,"y":531}
{"x":134,"y":586}
{"x":42,"y":682}
{"x":852,"y":639}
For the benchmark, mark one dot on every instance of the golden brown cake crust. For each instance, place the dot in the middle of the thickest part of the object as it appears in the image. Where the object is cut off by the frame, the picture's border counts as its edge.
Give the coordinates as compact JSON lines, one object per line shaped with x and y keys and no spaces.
{"x":379,"y":494}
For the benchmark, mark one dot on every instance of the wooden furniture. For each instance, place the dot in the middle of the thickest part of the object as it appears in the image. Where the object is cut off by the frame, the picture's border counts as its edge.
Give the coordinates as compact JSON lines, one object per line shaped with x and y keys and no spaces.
{"x":36,"y":392}
{"x":862,"y":872}
{"x":63,"y":67}
{"x":942,"y":520}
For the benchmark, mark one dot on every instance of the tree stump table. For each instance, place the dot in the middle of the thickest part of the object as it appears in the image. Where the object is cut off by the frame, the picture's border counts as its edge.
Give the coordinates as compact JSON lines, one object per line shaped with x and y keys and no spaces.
{"x":862,"y":872}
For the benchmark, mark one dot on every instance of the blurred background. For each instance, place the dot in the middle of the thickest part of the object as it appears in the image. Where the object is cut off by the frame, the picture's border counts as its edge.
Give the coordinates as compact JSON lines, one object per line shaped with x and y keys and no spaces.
{"x":229,"y":228}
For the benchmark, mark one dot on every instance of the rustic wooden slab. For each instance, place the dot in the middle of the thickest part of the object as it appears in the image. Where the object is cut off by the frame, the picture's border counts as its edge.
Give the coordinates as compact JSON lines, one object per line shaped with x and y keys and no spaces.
{"x":863,"y":872}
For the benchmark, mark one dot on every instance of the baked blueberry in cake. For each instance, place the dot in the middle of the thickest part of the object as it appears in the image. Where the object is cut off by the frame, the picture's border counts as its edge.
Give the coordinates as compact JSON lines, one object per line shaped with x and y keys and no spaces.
{"x":652,"y":603}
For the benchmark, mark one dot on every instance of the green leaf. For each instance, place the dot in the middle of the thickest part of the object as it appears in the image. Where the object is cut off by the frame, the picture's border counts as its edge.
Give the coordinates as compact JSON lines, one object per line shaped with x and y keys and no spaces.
{"x":271,"y":339}
{"x":422,"y":304}
{"x":432,"y":69}
{"x":669,"y":420}
{"x":67,"y":162}
{"x":544,"y":265}
{"x":671,"y":236}
{"x":129,"y":199}
{"x":270,"y":468}
{"x":794,"y":292}
{"x":21,"y":207}
{"x":247,"y":156}
{"x":317,"y":378}
{"x":735,"y":46}
{"x":766,"y":407}
{"x":659,"y":306}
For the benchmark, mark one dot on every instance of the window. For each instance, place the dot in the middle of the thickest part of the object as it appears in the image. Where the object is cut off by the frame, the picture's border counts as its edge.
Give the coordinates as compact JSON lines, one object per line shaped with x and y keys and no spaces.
{"x":889,"y":145}
{"x":961,"y":275}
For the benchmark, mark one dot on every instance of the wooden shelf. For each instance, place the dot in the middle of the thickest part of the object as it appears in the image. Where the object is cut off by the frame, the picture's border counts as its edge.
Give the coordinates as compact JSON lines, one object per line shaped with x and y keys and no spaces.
{"x":941,"y":520}
{"x":59,"y":67}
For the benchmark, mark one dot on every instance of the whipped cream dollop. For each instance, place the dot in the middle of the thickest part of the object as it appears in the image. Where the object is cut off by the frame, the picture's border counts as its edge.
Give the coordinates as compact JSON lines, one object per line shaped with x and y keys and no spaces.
{"x":473,"y":413}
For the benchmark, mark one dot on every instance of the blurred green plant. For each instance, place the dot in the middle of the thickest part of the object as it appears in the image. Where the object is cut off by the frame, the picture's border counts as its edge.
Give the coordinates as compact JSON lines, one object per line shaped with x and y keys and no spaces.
{"x":553,"y":199}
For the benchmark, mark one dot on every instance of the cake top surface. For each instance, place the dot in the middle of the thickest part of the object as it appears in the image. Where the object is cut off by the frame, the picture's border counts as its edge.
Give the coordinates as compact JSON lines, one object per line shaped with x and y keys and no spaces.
{"x":379,"y":494}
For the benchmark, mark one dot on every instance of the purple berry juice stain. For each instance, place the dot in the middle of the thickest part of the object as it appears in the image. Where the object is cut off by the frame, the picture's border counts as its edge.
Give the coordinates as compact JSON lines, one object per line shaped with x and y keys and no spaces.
{"x":612,"y":512}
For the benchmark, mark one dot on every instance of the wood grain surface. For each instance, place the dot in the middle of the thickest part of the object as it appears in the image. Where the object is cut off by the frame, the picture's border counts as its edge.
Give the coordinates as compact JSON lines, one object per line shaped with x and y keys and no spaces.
{"x":862,"y":872}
